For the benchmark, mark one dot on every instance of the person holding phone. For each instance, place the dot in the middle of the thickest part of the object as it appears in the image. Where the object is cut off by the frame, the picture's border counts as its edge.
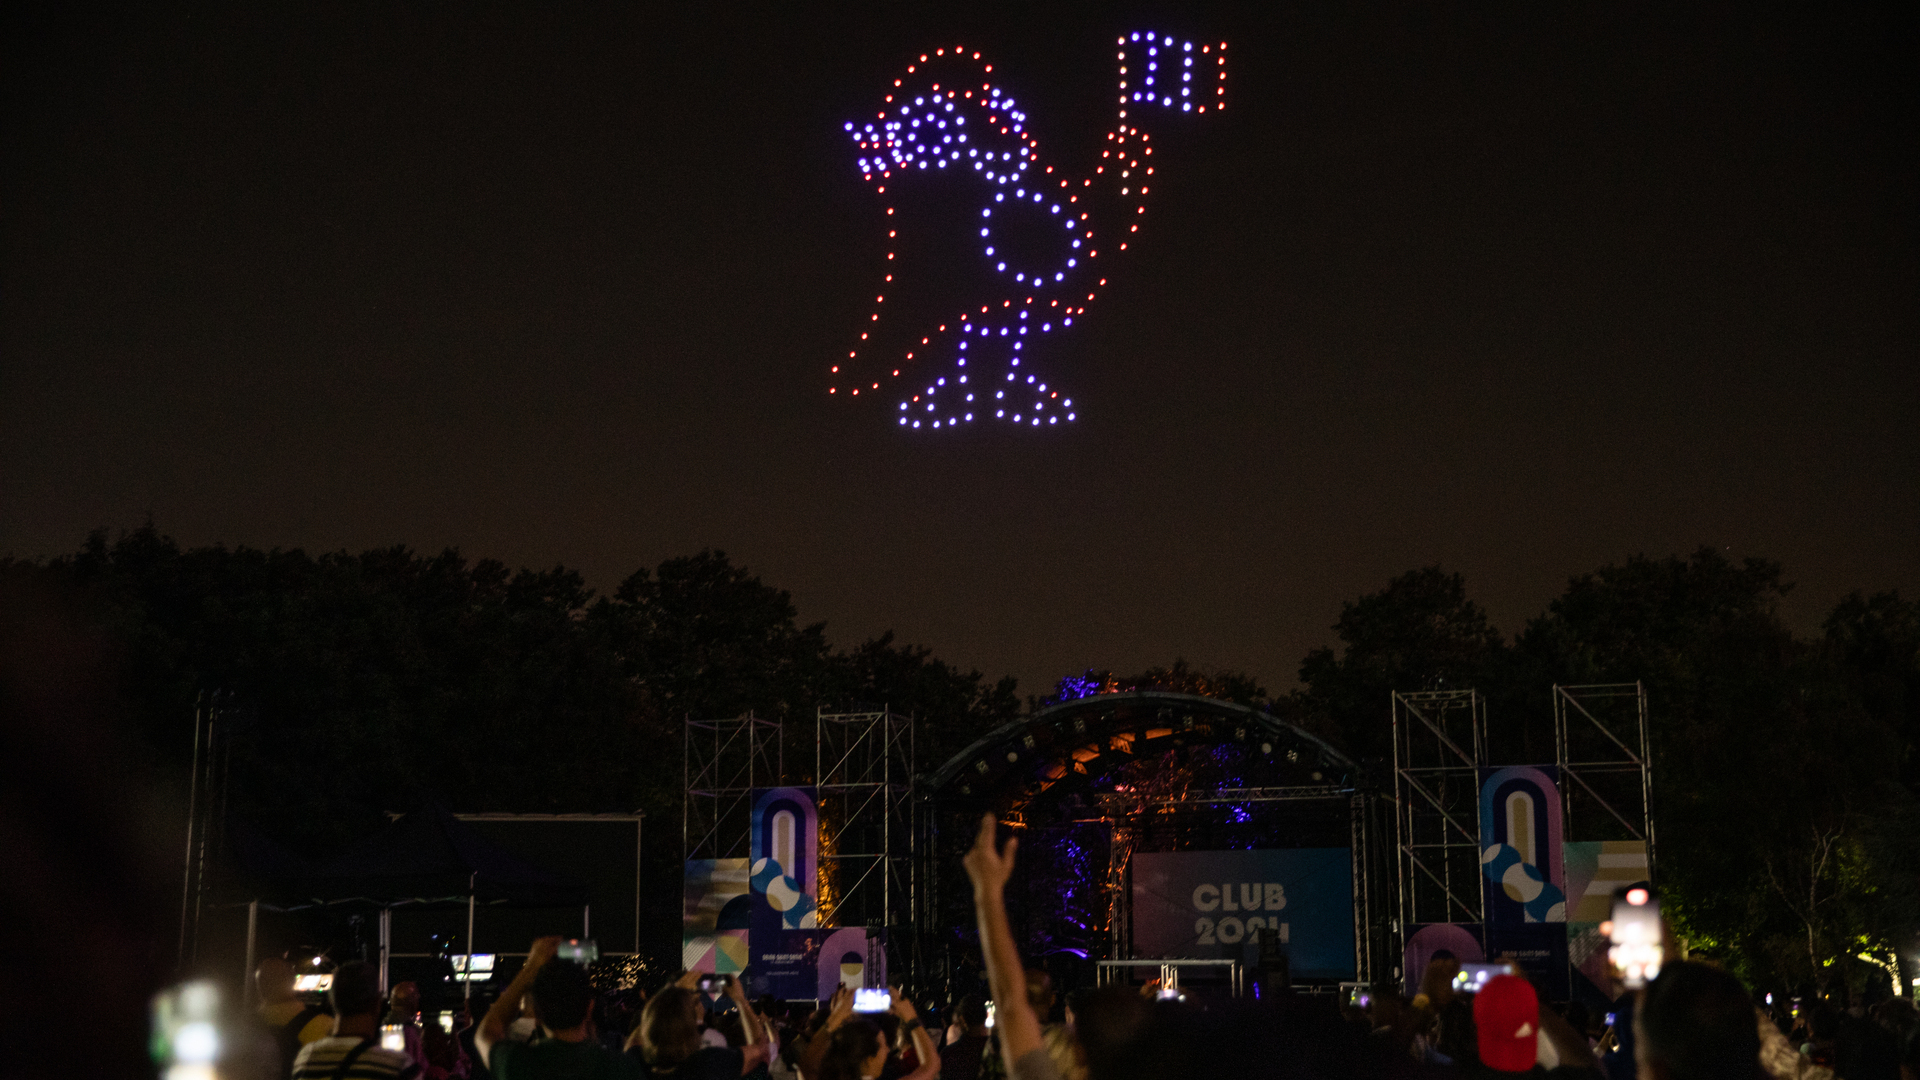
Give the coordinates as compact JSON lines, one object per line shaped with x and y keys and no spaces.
{"x":667,"y":1041}
{"x":563,"y":1006}
{"x":354,"y":1047}
{"x":1510,"y":1027}
{"x":403,"y":1010}
{"x":850,"y":1047}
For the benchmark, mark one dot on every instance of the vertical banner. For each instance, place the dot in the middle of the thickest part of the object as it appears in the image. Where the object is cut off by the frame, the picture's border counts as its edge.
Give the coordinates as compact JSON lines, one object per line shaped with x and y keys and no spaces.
{"x":1521,"y":855}
{"x":1595,"y":868}
{"x":786,"y":943}
{"x":1205,"y":904}
{"x":714,"y":915}
{"x":785,"y":848}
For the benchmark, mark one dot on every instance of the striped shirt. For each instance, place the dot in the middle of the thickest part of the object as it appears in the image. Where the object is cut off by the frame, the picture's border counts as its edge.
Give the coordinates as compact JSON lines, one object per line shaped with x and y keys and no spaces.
{"x":321,"y":1060}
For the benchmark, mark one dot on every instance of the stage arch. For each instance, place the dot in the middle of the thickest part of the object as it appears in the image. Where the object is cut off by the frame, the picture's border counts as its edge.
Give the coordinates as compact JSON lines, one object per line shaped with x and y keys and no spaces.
{"x":1075,"y":746}
{"x":1089,"y":782}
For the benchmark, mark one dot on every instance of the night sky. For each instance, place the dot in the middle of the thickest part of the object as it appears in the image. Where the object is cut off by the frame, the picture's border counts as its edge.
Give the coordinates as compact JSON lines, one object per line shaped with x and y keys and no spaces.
{"x":1520,"y":289}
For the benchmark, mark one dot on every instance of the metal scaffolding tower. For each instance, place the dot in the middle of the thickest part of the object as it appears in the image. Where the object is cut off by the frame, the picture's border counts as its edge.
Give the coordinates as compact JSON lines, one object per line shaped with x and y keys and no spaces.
{"x":1600,"y":744}
{"x":214,"y":721}
{"x":1439,"y":744}
{"x":724,"y":762}
{"x":863,"y":771}
{"x":1372,"y":899}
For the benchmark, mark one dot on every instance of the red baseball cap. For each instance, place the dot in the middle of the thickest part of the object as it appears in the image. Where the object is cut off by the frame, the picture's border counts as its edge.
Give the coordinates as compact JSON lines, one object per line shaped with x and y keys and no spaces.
{"x":1506,"y":1013}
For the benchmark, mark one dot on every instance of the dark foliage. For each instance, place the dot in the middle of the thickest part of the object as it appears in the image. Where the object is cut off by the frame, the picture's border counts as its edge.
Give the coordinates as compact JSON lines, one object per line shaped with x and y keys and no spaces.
{"x":375,"y":682}
{"x":1784,"y":769}
{"x":1177,"y":678}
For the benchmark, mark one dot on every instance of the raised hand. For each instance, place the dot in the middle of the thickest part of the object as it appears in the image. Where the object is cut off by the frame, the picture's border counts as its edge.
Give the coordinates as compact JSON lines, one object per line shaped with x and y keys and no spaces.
{"x":988,"y":864}
{"x":737,"y":991}
{"x":543,"y":950}
{"x":840,"y":1009}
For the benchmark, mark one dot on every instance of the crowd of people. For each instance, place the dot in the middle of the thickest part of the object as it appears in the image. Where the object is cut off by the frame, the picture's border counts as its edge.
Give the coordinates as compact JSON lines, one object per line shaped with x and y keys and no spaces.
{"x":1694,"y":1021}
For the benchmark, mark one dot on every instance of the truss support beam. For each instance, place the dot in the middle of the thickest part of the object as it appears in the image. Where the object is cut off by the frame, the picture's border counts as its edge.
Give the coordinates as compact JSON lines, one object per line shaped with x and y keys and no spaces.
{"x":864,"y":766}
{"x":1606,"y":767}
{"x":723,"y":763}
{"x":1439,"y":746}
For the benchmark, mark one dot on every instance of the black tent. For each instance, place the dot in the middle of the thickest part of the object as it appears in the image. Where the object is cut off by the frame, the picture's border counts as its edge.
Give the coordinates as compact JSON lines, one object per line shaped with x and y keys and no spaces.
{"x":431,"y":856}
{"x":427,"y":857}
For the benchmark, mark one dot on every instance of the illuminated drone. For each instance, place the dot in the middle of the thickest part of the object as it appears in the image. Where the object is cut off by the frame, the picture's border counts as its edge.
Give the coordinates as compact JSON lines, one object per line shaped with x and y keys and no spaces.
{"x":1040,"y":231}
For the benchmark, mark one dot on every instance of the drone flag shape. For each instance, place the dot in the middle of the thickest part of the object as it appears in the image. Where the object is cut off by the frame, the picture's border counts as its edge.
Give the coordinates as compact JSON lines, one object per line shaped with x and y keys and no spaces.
{"x":956,"y":347}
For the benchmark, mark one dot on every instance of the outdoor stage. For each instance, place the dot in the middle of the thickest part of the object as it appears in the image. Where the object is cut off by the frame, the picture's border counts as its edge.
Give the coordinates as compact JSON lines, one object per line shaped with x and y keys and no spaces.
{"x":1160,"y":827}
{"x":1165,"y":836}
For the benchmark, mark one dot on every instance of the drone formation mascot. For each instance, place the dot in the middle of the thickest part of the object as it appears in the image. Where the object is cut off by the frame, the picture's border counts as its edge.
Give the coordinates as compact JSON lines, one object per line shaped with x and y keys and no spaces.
{"x":1042,"y":232}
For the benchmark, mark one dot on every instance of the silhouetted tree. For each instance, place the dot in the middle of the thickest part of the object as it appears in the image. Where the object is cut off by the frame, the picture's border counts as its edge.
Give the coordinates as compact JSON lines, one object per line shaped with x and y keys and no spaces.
{"x":1419,"y":633}
{"x":1177,"y":678}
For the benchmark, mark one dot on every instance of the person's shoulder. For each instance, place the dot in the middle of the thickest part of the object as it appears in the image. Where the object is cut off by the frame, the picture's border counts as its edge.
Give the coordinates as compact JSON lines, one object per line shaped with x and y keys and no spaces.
{"x":322,"y":1056}
{"x":639,"y":1067}
{"x":583,"y":1058}
{"x":965,"y":1044}
{"x":320,"y":1027}
{"x":327,"y":1046}
{"x":380,"y":1060}
{"x":375,"y":1063}
{"x":620,"y":1065}
{"x":504,"y":1052}
{"x":1035,"y":1064}
{"x":713,"y":1063}
{"x":609,"y":1062}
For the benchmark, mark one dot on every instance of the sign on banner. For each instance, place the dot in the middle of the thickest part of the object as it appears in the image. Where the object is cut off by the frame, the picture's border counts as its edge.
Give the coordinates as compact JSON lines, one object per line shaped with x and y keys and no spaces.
{"x":786,"y":963}
{"x":714,"y":915}
{"x":1208,"y":905}
{"x":1522,"y":858}
{"x":1595,"y":868}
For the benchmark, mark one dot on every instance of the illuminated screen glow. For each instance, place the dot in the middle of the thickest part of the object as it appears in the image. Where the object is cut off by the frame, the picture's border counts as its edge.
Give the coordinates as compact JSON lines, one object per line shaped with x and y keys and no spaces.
{"x":1040,"y":231}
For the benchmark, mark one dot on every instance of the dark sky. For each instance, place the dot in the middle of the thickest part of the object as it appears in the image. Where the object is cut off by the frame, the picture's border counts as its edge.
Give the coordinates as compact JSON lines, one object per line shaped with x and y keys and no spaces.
{"x":1520,"y":289}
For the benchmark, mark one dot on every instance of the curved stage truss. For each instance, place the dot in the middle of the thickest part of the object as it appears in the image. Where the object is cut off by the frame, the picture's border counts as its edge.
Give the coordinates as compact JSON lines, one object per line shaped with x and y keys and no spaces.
{"x":1088,"y":782}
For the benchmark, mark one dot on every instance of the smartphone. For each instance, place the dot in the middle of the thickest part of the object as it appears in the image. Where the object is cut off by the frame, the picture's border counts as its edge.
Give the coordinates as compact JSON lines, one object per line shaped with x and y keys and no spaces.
{"x":1474,"y":976}
{"x":446,"y":1021}
{"x":989,"y":1014}
{"x":1633,"y":936}
{"x":393,"y":1037}
{"x":1167,"y":994}
{"x":580,"y":952}
{"x":1359,"y":998}
{"x":872,"y":1001}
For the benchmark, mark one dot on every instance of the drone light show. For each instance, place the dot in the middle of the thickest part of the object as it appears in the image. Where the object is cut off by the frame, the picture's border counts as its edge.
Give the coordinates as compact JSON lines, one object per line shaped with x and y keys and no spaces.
{"x":1037,"y":241}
